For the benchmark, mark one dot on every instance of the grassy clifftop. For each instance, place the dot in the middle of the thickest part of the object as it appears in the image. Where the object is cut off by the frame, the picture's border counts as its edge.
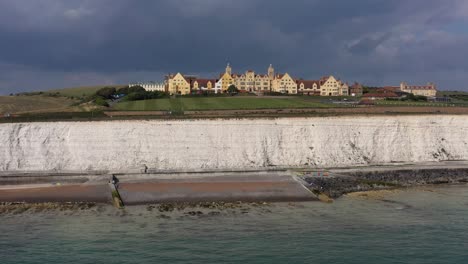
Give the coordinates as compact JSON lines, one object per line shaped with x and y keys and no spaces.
{"x":80,"y":91}
{"x":36,"y":103}
{"x":221,"y":103}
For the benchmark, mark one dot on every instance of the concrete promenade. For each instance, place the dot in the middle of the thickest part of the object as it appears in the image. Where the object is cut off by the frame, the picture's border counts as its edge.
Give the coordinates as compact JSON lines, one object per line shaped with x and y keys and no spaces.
{"x":157,"y":188}
{"x":136,"y":187}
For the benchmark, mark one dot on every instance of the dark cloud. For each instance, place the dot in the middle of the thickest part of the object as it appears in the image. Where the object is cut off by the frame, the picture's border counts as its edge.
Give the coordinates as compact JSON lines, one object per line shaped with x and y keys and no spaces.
{"x":52,"y":43}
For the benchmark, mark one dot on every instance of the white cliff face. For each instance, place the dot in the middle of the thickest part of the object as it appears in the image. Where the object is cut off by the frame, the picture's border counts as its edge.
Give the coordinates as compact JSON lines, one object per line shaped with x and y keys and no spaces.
{"x":232,"y":144}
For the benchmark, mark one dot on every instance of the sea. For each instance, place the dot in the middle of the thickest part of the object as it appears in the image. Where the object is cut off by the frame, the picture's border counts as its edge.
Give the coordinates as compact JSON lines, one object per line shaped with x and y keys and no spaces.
{"x":417,"y":225}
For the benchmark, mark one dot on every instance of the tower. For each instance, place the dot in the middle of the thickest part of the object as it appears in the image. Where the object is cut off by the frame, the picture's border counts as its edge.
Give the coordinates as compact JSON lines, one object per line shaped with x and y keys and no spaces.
{"x":271,"y":72}
{"x":228,"y":69}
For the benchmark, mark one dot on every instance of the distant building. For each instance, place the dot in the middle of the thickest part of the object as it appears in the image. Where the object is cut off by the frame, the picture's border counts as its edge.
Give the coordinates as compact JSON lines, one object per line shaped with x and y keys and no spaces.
{"x":178,"y":84}
{"x":150,"y":86}
{"x":219,"y":86}
{"x":259,"y":84}
{"x":284,"y":83}
{"x":204,"y":84}
{"x":356,"y":89}
{"x":245,"y":81}
{"x":252,"y":82}
{"x":330,"y":86}
{"x":428,"y":90}
{"x":308,"y":87}
{"x":226,"y":78}
{"x":344,"y":89}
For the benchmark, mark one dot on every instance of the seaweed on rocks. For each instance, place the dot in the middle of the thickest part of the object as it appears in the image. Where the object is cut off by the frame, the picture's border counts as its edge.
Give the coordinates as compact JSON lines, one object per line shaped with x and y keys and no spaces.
{"x":19,"y":207}
{"x":338,"y":185}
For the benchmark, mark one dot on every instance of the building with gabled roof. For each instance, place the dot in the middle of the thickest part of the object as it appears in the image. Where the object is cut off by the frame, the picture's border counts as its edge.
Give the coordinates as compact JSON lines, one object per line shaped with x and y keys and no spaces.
{"x":203,"y":84}
{"x":428,"y":90}
{"x":284,"y":83}
{"x":252,"y":82}
{"x":308,"y":87}
{"x":178,"y":84}
{"x":356,"y":89}
{"x":330,"y":86}
{"x":150,"y":86}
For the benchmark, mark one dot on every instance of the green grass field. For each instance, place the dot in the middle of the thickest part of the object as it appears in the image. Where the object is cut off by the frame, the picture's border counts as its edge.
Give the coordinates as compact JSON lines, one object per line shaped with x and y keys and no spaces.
{"x":409,"y":103}
{"x":457,"y":96}
{"x":81,"y":91}
{"x":37,"y":103}
{"x":220,"y":103}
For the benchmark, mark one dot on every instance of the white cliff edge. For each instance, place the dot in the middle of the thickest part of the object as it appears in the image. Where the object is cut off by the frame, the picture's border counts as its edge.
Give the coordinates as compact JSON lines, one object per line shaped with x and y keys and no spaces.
{"x":233,"y":144}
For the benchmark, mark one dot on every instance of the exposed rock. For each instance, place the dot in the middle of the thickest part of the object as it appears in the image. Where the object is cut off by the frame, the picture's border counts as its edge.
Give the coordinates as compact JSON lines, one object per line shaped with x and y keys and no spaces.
{"x":234,"y":144}
{"x":383,"y":180}
{"x":19,"y":208}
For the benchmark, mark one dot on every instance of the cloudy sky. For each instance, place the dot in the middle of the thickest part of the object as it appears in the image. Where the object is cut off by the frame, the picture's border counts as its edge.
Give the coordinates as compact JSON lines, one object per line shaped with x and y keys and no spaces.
{"x":58,"y":43}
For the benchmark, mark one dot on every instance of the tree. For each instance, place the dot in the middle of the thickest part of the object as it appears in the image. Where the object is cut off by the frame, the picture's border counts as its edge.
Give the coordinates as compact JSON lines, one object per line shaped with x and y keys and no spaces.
{"x":129,"y":90}
{"x":365,"y":89}
{"x":106,"y":92}
{"x":232,"y":89}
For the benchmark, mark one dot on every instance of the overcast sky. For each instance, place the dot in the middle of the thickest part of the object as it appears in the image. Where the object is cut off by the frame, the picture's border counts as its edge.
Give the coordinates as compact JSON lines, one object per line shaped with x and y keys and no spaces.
{"x":56,"y":43}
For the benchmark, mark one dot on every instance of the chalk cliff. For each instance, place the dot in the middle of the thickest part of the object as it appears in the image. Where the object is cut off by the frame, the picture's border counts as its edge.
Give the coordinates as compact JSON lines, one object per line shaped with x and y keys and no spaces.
{"x":232,"y":144}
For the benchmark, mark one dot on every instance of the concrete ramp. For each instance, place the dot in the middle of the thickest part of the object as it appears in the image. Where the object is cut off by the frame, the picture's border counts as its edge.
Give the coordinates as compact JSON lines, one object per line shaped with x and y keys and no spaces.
{"x":204,"y":188}
{"x":47,"y":193}
{"x":158,"y":188}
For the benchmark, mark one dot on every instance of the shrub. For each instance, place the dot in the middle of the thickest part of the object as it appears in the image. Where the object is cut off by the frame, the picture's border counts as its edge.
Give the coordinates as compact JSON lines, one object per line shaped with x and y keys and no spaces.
{"x":144,"y":95}
{"x":128,"y":90}
{"x":232,"y":89}
{"x":415,"y":98}
{"x":101,"y":101}
{"x":136,"y":96}
{"x":106,"y":92}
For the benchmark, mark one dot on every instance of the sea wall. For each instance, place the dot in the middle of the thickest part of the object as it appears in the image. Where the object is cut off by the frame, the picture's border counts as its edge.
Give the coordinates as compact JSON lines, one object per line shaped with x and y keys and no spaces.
{"x":233,"y":143}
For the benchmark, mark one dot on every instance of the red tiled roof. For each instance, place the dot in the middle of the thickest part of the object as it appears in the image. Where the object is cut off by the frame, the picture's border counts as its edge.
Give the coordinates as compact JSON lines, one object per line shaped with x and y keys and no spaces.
{"x":204,"y":82}
{"x":308,"y":83}
{"x":356,"y":86}
{"x":261,"y":75}
{"x":324,"y":79}
{"x":391,"y":88}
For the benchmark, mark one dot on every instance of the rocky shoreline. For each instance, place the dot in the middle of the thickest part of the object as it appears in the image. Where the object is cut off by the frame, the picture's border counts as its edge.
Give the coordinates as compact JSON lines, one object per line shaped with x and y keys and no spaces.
{"x":20,"y":207}
{"x":187,"y":209}
{"x":359,"y":181}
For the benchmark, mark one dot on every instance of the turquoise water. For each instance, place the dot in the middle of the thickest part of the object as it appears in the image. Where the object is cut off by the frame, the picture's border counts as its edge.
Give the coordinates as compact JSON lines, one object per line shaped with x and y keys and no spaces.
{"x":417,"y":226}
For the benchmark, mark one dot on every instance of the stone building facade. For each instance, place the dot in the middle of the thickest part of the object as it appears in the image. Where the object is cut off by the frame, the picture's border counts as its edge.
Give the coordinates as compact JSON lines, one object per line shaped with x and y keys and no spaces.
{"x":330,"y":86}
{"x":177,"y":84}
{"x":151,"y":86}
{"x":284,"y":83}
{"x":356,"y":89}
{"x":308,"y":87}
{"x":429,"y":90}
